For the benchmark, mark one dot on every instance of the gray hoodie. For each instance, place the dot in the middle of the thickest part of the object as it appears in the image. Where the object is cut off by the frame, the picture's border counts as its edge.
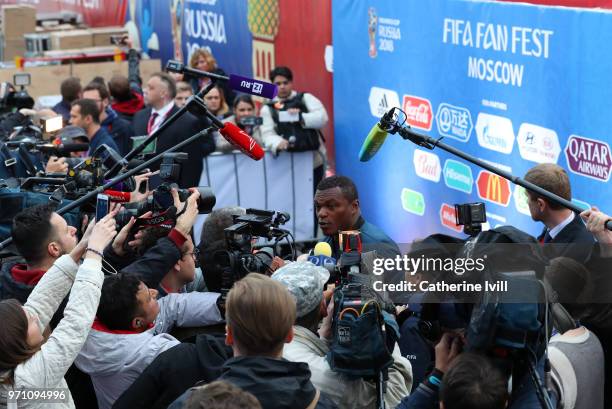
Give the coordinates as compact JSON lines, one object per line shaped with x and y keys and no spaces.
{"x":114,"y":359}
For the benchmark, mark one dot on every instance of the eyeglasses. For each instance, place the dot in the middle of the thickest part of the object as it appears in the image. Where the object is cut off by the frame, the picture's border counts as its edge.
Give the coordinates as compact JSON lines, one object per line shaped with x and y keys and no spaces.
{"x":195,"y":254}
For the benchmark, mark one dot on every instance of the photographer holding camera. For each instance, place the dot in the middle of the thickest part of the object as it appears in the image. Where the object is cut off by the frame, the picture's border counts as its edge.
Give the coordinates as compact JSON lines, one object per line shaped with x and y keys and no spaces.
{"x":163,"y":258}
{"x":311,"y":344}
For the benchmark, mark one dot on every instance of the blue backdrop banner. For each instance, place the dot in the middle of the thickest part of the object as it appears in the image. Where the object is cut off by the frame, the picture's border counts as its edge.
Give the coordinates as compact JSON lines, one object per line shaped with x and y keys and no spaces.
{"x":512,"y":84}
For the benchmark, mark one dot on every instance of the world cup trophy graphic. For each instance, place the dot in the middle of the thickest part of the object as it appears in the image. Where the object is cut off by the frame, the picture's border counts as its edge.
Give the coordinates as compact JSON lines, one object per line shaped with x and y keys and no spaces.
{"x":176,"y":17}
{"x":372,"y":26}
{"x":263,"y":18}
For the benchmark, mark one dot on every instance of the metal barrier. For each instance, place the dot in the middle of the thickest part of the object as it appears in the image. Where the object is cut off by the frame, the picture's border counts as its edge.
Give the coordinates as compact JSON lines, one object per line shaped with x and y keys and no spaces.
{"x":282,"y":182}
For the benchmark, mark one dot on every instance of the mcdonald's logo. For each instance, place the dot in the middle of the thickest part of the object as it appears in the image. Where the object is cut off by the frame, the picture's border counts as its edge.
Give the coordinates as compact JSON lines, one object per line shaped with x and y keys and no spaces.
{"x":493,"y":188}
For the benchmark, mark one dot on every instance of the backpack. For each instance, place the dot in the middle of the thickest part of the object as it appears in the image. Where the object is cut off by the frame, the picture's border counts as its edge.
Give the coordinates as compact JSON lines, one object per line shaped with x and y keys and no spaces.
{"x":305,"y":139}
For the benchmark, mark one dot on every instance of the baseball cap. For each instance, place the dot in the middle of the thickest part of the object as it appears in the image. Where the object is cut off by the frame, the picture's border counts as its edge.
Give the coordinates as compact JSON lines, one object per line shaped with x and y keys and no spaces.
{"x":305,"y":282}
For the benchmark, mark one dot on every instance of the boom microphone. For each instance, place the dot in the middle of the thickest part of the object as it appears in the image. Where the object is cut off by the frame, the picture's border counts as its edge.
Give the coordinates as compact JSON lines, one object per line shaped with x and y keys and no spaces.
{"x":242,"y":141}
{"x":376,"y":137}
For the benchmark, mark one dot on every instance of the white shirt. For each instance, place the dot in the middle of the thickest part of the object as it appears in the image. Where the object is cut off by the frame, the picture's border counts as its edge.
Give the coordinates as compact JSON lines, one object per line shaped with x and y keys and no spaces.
{"x":161,"y":115}
{"x":557,"y":229}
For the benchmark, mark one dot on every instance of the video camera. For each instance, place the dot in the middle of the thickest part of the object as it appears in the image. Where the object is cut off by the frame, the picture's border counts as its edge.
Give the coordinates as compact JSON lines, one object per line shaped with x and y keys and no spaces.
{"x":12,"y":99}
{"x":239,"y":260}
{"x":363,"y":340}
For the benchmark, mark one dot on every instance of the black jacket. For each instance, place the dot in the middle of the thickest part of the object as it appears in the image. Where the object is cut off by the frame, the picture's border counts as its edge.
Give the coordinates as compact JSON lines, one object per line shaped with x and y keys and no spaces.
{"x":152,"y":266}
{"x":573,"y":241}
{"x":9,"y":288}
{"x":184,"y":127}
{"x":175,"y":371}
{"x":276,"y":383}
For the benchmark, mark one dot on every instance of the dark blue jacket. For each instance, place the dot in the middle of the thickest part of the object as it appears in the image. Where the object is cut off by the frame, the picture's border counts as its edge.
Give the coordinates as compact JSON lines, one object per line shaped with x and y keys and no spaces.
{"x":276,"y":383}
{"x":100,"y":138}
{"x":63,"y":108}
{"x":120,"y":129}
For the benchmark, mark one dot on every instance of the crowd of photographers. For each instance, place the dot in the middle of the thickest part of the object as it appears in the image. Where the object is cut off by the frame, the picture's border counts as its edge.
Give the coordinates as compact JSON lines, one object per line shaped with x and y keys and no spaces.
{"x":128,"y":312}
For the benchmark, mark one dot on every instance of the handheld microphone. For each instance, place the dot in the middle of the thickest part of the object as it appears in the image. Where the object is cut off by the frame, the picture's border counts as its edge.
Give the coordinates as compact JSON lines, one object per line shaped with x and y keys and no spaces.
{"x":242,"y":141}
{"x":376,"y":137}
{"x":322,"y":256}
{"x":252,"y":86}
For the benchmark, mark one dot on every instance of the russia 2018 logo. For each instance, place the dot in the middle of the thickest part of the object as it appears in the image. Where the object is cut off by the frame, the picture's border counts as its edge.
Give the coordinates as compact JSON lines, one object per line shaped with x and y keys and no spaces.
{"x":372,"y":25}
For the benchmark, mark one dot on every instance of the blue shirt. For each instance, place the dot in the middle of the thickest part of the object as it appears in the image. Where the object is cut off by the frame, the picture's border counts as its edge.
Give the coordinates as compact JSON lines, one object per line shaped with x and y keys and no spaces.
{"x":100,"y":138}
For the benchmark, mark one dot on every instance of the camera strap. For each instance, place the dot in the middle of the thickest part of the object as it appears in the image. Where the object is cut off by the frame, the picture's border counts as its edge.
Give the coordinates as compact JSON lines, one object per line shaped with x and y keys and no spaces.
{"x":8,"y":159}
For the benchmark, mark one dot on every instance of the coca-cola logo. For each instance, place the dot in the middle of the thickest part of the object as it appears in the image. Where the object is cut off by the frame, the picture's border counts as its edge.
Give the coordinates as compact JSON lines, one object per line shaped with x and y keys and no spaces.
{"x":588,"y":157}
{"x":418,"y":112}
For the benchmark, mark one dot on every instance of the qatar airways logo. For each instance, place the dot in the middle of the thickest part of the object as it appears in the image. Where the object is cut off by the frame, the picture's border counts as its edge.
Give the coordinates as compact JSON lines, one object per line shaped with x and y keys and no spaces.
{"x":588,"y":157}
{"x":427,"y":165}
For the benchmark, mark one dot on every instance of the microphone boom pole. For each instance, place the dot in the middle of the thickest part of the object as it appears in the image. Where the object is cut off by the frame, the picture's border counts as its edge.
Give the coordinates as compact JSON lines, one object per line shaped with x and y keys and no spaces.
{"x":195,"y":102}
{"x":430,"y":143}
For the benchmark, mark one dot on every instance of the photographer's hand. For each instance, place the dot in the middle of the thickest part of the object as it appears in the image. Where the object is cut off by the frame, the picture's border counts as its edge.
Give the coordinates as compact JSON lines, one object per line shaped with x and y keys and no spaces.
{"x":56,"y":165}
{"x":596,"y":223}
{"x":121,"y":237}
{"x":102,"y":235}
{"x":185,"y":221}
{"x":136,"y":195}
{"x":325,"y":331}
{"x":447,"y":350}
{"x":79,"y":249}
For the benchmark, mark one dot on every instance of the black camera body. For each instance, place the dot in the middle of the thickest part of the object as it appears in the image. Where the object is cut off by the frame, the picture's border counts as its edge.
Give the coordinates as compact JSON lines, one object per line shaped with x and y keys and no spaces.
{"x":251,"y":120}
{"x":239,"y":260}
{"x":471,"y":216}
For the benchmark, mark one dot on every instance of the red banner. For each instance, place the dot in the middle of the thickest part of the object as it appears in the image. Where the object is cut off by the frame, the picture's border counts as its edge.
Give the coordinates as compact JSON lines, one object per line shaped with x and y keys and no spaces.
{"x":96,"y":13}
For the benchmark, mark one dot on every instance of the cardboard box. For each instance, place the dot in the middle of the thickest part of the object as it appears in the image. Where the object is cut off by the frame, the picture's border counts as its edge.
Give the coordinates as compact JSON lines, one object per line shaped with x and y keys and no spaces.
{"x":17,"y":20}
{"x":66,"y":40}
{"x":102,"y":35}
{"x":13,"y":48}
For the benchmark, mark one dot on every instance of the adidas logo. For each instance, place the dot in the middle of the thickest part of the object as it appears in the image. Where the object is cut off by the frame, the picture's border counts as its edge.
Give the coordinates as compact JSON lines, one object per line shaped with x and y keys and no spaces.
{"x":383,"y":105}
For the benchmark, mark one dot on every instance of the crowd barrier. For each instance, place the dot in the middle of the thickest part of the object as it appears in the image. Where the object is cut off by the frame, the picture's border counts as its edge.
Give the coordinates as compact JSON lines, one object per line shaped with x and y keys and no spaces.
{"x":282,"y":183}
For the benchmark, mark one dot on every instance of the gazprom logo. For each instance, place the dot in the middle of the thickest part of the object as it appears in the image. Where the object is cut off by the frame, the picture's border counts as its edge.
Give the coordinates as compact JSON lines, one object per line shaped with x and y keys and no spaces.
{"x":454,"y":122}
{"x":458,"y":176}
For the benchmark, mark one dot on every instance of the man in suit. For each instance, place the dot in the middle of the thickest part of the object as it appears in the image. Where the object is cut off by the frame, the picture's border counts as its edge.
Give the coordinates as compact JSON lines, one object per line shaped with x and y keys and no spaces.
{"x":564,"y":229}
{"x":159,"y":95}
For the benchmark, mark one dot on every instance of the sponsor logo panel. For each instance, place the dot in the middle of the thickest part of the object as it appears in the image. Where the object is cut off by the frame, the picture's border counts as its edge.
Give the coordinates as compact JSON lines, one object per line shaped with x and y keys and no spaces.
{"x":427,"y":165}
{"x":448,"y":217}
{"x":588,"y":157}
{"x":381,"y":100}
{"x":493,"y":188}
{"x":413,"y":201}
{"x":454,"y":122}
{"x":418,"y":112}
{"x":458,"y":176}
{"x":495,"y":133}
{"x":538,"y":144}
